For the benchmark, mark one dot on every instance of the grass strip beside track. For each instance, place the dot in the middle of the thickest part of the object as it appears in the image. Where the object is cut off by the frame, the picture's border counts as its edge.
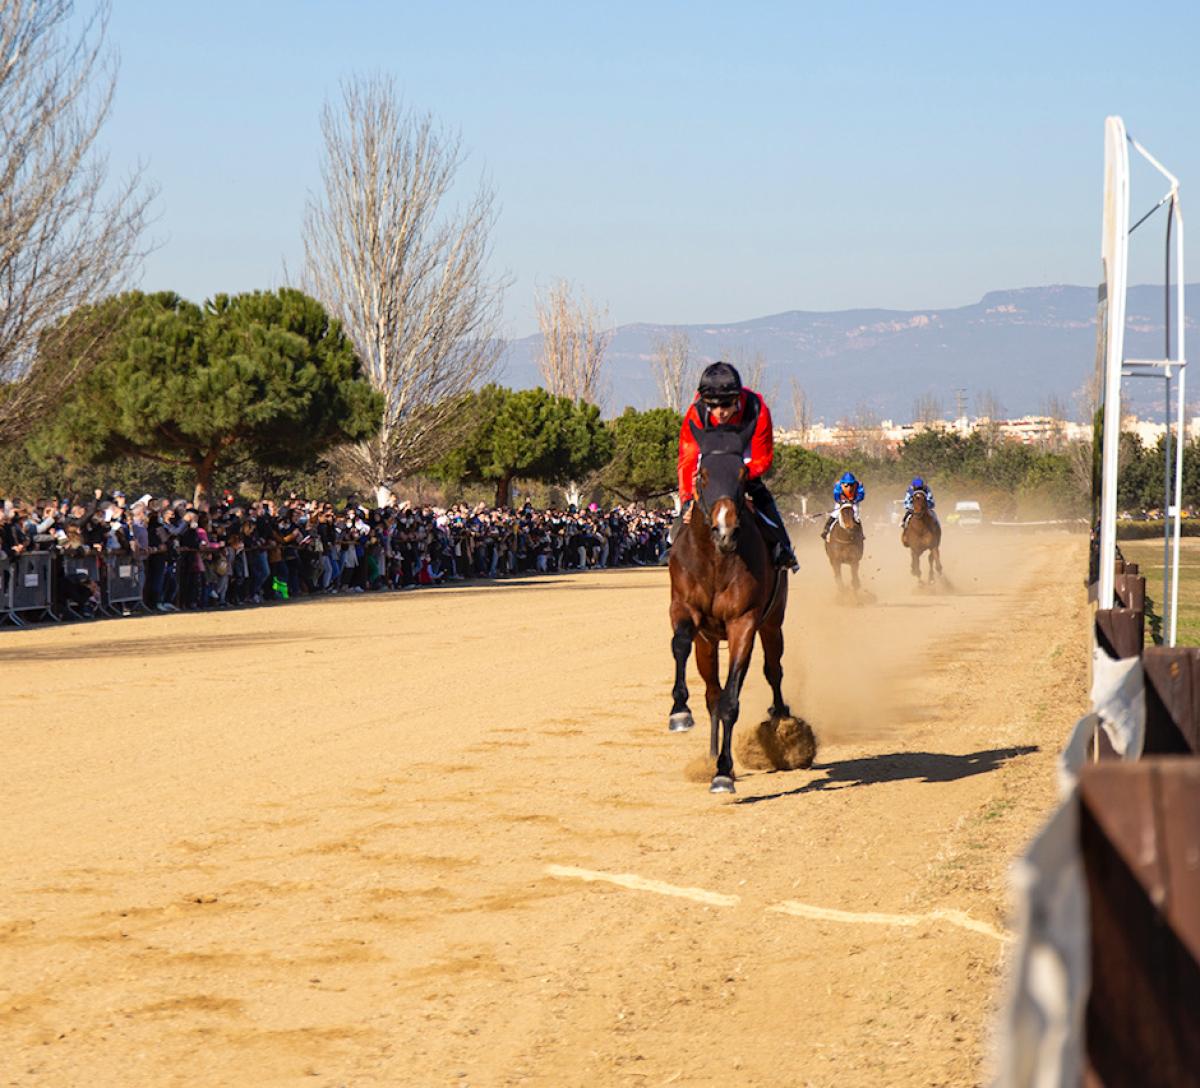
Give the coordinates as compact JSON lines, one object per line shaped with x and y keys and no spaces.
{"x":1148,"y":554}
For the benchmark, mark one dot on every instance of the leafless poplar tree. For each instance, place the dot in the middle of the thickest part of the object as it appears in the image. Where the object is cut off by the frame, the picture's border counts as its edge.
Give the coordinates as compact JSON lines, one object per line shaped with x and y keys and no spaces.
{"x":1056,"y":412}
{"x":868,"y":431}
{"x":573,"y":343}
{"x":801,"y":410}
{"x":756,"y":376}
{"x":753,"y":369}
{"x":927,"y":409}
{"x":671,"y":357}
{"x":1087,"y":397}
{"x":66,"y":236}
{"x":991,"y":412}
{"x":408,"y":280}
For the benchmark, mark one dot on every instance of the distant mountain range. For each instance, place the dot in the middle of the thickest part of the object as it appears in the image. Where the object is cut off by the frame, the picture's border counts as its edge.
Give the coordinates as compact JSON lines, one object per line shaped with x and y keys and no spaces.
{"x":1023,"y":347}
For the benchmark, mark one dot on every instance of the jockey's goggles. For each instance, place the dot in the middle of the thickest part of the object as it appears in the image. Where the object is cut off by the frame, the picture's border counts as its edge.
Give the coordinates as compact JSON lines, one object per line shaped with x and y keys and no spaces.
{"x":722,"y":402}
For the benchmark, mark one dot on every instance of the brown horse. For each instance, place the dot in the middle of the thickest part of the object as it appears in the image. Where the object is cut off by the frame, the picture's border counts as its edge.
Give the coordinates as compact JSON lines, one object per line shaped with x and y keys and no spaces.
{"x":723,"y":586}
{"x":844,"y":545}
{"x":923,"y":533}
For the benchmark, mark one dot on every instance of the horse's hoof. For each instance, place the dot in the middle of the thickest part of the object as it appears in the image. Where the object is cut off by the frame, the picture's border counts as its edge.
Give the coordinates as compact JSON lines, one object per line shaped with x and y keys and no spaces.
{"x":681,"y":722}
{"x":721,"y":783}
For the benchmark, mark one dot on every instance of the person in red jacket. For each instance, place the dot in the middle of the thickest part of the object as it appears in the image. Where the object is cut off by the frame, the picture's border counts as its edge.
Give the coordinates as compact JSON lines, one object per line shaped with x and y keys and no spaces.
{"x":722,"y":401}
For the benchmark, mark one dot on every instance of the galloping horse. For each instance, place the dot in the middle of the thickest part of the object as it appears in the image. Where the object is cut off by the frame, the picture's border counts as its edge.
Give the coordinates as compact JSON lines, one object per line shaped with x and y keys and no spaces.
{"x":844,"y":544}
{"x":723,"y":586}
{"x":923,"y":533}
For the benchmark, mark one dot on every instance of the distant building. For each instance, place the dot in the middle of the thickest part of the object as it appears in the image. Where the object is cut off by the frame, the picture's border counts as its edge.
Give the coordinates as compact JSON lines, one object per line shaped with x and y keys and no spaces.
{"x":887,"y":435}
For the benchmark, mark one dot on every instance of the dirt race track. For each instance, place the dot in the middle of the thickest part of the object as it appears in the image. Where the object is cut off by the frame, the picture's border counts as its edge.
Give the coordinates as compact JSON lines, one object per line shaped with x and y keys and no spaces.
{"x":373,"y":841}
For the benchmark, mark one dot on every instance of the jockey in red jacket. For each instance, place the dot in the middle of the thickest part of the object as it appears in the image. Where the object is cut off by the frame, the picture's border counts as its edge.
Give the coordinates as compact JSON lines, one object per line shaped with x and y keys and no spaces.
{"x":721,"y":400}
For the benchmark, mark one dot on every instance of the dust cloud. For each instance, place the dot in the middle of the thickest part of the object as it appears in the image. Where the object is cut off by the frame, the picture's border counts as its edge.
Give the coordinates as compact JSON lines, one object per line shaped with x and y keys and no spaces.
{"x":853,"y":664}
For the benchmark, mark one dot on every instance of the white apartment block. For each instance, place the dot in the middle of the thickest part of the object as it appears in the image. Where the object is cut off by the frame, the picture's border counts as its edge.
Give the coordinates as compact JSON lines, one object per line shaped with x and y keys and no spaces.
{"x":1030,"y":430}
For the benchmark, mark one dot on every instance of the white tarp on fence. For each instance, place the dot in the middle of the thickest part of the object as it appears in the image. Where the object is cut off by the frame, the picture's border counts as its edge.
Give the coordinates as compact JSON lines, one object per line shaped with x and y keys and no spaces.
{"x":1040,"y":1040}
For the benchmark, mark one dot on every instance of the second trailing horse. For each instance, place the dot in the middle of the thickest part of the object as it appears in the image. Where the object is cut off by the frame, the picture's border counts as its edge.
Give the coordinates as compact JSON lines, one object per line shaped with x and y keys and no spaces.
{"x":844,"y":545}
{"x":923,"y":533}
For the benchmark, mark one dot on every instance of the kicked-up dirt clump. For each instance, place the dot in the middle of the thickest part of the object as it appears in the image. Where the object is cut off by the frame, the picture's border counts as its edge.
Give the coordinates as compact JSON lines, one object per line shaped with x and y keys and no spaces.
{"x":776,"y":744}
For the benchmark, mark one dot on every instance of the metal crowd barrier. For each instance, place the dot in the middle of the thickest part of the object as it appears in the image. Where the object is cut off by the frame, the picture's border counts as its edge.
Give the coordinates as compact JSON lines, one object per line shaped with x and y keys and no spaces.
{"x":123,"y":582}
{"x":85,"y":567}
{"x":31,"y":586}
{"x":5,"y":589}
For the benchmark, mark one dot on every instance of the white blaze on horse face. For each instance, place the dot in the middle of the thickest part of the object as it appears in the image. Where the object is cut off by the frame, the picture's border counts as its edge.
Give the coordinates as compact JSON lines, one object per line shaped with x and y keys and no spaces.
{"x":722,"y":529}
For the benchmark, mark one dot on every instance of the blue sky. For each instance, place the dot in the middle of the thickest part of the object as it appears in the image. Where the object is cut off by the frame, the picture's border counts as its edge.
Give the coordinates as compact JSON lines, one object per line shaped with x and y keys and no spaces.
{"x":681,"y":162}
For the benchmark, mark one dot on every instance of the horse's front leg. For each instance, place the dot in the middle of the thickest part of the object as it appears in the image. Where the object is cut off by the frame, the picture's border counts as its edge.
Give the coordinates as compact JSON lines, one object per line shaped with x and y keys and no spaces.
{"x":741,"y":645}
{"x":916,"y":563}
{"x":854,"y":575}
{"x":681,"y":646}
{"x":707,"y":661}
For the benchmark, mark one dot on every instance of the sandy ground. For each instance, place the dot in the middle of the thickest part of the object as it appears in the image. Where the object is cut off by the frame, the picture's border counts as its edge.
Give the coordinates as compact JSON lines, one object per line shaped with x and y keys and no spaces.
{"x":315,"y":844}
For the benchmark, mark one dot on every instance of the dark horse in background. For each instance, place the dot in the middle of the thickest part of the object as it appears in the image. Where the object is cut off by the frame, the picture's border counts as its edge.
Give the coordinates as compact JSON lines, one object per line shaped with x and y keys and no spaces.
{"x":724,"y":586}
{"x":844,"y":545}
{"x":921,"y":534}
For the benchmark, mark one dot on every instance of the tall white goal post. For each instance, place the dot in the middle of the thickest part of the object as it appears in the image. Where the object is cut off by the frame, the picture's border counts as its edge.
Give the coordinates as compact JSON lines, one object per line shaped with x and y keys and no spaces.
{"x":1110,"y":358}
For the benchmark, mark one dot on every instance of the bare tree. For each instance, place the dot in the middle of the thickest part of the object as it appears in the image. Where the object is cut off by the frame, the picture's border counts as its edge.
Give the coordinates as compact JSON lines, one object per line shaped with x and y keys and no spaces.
{"x":1079,"y":458}
{"x":671,"y":357}
{"x":801,"y":410}
{"x":1087,"y":397}
{"x":573,"y":343}
{"x":408,"y":280}
{"x":1056,"y":432}
{"x":990,"y":412}
{"x":67,"y":236}
{"x":868,"y":431}
{"x":752,"y":366}
{"x":927,"y":409}
{"x":757,"y":377}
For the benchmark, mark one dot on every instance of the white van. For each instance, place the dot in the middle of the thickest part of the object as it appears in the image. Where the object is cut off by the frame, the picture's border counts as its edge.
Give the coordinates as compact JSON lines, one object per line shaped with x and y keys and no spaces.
{"x":968,"y":512}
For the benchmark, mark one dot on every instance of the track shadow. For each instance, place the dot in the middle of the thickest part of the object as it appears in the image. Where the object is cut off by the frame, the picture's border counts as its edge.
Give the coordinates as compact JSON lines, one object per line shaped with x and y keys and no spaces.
{"x":156,"y":647}
{"x":900,"y":767}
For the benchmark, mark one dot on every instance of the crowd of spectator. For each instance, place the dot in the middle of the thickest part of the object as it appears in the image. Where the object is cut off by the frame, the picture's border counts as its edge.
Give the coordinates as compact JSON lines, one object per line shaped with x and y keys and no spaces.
{"x":239,"y":553}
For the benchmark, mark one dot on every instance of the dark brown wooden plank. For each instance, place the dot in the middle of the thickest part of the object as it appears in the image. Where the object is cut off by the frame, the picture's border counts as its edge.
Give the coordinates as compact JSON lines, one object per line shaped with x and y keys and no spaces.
{"x":1138,"y":825}
{"x":1130,"y":590}
{"x":1171,"y":678}
{"x":1120,"y":631}
{"x":1180,"y":818}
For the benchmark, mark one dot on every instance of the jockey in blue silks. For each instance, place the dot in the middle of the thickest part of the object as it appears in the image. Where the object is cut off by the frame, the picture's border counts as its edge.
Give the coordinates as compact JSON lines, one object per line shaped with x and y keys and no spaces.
{"x":917,"y":485}
{"x":846,"y":490}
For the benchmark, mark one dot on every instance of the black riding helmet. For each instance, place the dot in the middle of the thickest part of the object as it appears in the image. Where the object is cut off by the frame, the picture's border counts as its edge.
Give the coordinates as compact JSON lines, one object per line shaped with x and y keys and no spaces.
{"x":720,"y":384}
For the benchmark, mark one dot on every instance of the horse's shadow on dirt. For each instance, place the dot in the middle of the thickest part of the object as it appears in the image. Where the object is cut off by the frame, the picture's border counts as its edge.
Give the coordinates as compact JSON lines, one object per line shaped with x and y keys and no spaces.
{"x":899,"y":767}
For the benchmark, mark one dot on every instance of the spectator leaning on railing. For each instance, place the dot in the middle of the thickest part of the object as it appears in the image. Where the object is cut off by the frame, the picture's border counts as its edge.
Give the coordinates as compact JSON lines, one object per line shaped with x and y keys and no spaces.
{"x":249,"y":553}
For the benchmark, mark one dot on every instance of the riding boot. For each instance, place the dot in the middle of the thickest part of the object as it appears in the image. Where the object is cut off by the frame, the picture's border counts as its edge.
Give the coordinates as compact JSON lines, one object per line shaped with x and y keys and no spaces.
{"x":771,"y":522}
